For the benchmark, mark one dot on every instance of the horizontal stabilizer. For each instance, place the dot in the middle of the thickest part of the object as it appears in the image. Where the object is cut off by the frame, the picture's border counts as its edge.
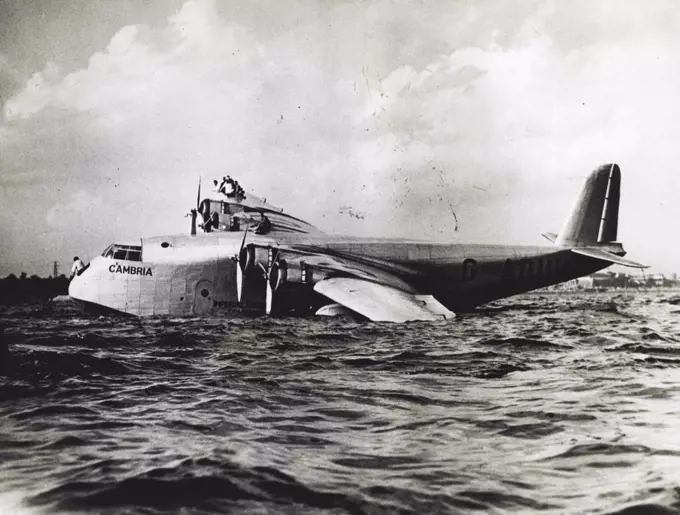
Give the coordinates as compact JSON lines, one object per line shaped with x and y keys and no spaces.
{"x":550,"y":236}
{"x":382,"y":303}
{"x":603,"y":255}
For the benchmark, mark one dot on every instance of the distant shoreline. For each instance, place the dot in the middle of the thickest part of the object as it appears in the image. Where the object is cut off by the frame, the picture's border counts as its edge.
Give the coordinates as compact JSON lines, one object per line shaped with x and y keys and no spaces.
{"x":672,"y":289}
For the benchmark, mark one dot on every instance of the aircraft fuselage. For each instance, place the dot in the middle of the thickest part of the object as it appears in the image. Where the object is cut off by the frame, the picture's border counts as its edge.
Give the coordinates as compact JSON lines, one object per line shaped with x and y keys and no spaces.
{"x":196,"y":275}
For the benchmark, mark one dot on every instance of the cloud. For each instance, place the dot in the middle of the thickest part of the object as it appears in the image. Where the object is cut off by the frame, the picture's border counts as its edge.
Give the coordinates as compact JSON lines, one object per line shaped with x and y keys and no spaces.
{"x":38,"y":93}
{"x":492,"y":112}
{"x":69,"y":215}
{"x":10,"y":79}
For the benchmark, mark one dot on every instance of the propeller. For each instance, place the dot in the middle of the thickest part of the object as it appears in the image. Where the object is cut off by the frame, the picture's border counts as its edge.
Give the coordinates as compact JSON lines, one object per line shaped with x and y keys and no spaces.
{"x":240,"y":265}
{"x":269,"y":292}
{"x":267,"y":272}
{"x":246,"y":254}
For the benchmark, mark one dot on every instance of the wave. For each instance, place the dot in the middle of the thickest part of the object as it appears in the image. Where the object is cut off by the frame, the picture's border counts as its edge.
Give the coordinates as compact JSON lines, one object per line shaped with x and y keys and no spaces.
{"x":205,"y":484}
{"x":522,"y":408}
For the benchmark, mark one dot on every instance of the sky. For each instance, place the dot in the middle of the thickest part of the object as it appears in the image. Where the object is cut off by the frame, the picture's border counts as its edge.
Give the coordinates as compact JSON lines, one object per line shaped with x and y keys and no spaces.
{"x":404,"y":111}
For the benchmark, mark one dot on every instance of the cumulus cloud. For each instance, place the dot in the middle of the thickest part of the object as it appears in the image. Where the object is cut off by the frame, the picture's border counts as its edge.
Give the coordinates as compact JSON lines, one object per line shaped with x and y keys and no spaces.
{"x":488,"y":110}
{"x":39,"y":92}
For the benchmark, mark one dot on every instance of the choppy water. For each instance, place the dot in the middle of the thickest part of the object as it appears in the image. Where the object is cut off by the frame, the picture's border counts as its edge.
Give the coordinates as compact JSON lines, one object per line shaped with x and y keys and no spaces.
{"x":551,"y":404}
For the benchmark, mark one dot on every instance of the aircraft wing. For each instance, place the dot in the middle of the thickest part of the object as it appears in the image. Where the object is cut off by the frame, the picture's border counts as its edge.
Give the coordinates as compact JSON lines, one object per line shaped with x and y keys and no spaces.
{"x":607,"y":256}
{"x":257,"y":213}
{"x":376,"y":289}
{"x":334,"y":264}
{"x":380,"y":302}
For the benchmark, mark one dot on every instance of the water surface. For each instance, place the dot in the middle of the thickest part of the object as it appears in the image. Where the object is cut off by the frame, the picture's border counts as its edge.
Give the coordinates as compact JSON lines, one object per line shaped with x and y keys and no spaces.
{"x":536,"y":404}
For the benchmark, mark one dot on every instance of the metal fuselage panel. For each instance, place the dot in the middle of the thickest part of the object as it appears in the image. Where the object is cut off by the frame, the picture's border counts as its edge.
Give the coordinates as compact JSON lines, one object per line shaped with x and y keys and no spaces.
{"x":187,"y":275}
{"x":181,"y":279}
{"x":462,"y":276}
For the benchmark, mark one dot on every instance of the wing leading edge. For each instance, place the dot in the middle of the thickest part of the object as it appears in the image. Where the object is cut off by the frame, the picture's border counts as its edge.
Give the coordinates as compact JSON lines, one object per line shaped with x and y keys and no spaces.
{"x":381,"y":303}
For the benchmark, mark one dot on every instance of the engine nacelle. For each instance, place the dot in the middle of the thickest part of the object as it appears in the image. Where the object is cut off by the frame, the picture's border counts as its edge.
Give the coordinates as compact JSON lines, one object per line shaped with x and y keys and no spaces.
{"x":252,"y":256}
{"x":291,"y":272}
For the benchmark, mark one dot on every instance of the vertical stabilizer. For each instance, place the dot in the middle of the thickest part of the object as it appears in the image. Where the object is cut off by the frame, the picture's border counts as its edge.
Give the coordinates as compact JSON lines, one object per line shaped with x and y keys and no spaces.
{"x":594,"y":217}
{"x":610,"y":213}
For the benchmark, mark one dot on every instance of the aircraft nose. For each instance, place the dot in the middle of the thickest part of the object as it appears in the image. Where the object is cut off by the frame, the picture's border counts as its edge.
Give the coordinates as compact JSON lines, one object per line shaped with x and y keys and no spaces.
{"x":75,"y":288}
{"x":79,"y":287}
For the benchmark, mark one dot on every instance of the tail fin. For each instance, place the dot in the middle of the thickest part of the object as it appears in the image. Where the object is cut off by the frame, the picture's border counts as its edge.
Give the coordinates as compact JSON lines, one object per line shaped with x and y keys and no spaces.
{"x":594,"y":218}
{"x":592,"y":226}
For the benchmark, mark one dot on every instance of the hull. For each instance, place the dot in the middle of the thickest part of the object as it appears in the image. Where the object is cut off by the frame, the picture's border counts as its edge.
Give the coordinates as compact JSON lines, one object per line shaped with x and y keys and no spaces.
{"x":199,"y":278}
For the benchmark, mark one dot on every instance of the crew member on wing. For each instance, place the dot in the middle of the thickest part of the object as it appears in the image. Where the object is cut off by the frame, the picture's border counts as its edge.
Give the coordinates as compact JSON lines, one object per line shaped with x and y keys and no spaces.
{"x":236,"y":191}
{"x":216,"y":187}
{"x":223,"y":185}
{"x":264,"y":226}
{"x":240,"y":194}
{"x":232,"y":185}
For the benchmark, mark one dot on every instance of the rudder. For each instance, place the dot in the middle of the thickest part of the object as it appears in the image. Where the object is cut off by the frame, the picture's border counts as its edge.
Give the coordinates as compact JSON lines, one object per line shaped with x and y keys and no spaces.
{"x":610,"y":213}
{"x":594,"y":217}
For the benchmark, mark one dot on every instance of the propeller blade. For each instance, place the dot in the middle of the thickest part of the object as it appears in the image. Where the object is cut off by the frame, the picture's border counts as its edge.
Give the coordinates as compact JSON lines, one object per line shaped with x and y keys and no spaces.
{"x":239,"y":269}
{"x":239,"y":282}
{"x":269,"y":300}
{"x":198,"y":196}
{"x":243,"y":241}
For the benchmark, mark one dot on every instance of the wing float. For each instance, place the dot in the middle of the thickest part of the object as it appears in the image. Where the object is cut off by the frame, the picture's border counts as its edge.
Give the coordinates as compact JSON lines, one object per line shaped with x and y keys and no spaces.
{"x":382,"y":303}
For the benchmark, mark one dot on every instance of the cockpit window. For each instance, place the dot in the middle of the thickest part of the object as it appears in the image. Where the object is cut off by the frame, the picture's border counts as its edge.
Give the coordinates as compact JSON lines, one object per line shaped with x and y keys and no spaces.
{"x":123,"y":252}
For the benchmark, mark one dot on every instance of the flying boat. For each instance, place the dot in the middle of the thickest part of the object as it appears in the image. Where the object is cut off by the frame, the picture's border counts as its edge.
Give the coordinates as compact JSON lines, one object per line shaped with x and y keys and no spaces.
{"x":252,"y":255}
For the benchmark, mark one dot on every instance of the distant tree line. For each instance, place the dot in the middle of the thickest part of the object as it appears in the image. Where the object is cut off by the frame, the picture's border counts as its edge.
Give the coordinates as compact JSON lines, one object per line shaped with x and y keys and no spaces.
{"x":27,"y":290}
{"x":644,"y":281}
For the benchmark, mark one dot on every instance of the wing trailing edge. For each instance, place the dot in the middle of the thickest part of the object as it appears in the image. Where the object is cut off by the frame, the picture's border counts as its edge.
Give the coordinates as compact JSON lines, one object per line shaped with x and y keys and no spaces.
{"x":381,"y":303}
{"x":603,"y":255}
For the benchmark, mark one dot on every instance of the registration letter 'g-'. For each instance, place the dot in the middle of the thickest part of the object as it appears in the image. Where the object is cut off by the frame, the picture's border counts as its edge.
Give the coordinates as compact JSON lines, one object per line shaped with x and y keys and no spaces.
{"x":469,"y":269}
